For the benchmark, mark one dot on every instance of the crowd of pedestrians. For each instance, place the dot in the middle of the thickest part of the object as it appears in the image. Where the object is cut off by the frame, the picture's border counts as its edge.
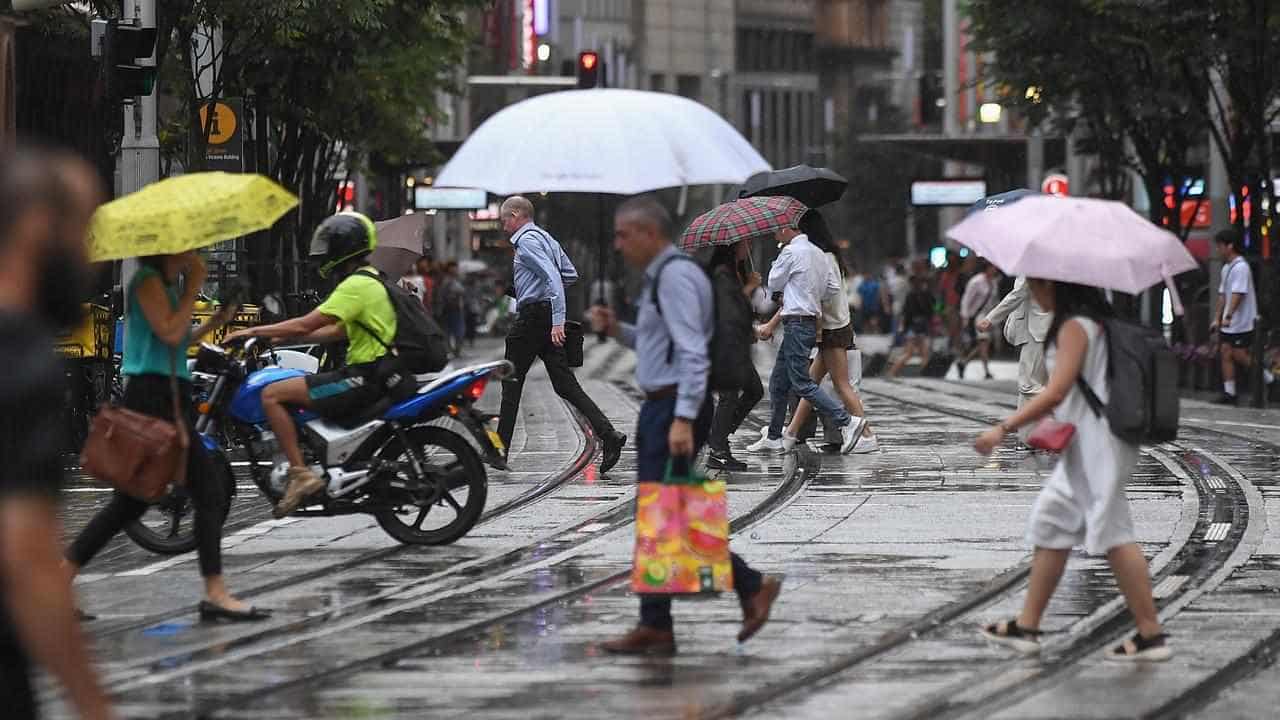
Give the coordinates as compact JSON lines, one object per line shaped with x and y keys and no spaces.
{"x":809,"y":295}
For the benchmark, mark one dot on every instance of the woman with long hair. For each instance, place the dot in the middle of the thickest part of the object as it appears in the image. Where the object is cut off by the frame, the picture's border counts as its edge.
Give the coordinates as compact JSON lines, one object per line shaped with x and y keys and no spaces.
{"x":157,"y":334}
{"x":835,"y":342}
{"x":1084,"y":501}
{"x":731,"y":277}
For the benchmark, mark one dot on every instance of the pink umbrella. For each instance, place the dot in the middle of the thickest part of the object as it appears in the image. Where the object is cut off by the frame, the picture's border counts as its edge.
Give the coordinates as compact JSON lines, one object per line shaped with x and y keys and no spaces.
{"x":1079,"y":240}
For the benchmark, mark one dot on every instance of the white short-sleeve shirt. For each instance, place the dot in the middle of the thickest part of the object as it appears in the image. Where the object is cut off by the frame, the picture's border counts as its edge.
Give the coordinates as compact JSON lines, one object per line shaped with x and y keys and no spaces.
{"x":1238,"y":278}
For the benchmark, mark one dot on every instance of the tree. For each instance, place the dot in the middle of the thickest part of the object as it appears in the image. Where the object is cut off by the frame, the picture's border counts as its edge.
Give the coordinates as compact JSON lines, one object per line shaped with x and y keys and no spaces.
{"x":332,"y":82}
{"x":1110,"y":71}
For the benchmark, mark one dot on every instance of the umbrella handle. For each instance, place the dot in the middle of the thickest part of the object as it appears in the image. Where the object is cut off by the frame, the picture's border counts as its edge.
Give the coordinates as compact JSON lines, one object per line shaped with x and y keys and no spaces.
{"x":1173,"y":295}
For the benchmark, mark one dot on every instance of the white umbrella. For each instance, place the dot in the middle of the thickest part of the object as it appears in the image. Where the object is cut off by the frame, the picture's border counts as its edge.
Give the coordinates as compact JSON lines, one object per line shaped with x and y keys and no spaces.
{"x":622,"y":142}
{"x":1079,"y":240}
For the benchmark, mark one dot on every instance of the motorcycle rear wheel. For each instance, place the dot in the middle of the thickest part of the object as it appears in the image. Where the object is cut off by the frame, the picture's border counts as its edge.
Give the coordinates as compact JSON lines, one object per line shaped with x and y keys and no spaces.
{"x":168,"y":527}
{"x":454,"y":486}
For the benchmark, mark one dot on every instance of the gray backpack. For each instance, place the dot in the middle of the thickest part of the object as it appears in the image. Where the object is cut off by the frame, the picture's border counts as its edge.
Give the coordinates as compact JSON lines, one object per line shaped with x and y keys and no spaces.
{"x":1142,"y":373}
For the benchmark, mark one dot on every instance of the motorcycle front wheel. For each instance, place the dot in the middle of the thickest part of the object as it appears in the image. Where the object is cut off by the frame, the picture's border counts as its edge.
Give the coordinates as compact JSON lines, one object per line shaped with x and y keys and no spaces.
{"x":169,"y":526}
{"x":441,"y":505}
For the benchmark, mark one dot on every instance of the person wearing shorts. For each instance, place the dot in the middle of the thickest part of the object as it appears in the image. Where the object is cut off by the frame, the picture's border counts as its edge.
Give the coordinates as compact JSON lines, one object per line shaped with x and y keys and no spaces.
{"x":917,"y":317}
{"x":359,"y":311}
{"x":1236,"y":315}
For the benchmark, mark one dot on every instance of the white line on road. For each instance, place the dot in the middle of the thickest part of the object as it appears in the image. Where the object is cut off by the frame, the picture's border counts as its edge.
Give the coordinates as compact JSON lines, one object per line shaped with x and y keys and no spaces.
{"x":1217,"y":532}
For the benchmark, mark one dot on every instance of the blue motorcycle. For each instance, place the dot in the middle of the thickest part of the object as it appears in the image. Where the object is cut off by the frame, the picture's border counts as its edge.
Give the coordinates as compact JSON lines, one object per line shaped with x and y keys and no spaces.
{"x":401,"y":460}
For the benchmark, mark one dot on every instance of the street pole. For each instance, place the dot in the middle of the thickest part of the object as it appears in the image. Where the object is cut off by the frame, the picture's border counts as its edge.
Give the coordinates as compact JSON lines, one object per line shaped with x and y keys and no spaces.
{"x":951,"y":73}
{"x":139,"y":163}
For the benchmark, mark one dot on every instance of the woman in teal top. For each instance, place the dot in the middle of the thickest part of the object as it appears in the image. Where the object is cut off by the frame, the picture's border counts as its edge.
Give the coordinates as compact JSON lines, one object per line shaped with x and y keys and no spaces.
{"x":157,"y":334}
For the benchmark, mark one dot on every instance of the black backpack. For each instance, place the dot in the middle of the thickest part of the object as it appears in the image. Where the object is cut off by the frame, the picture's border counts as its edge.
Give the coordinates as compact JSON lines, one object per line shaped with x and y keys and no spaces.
{"x":1143,"y":376}
{"x":729,"y":347}
{"x":420,"y":344}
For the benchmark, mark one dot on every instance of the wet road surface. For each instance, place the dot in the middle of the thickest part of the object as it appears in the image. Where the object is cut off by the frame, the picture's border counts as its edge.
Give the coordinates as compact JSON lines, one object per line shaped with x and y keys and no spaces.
{"x":890,"y":562}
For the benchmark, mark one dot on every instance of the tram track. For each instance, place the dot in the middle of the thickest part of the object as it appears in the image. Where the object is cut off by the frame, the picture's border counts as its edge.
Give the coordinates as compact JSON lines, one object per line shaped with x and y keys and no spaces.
{"x":1195,"y":562}
{"x":553,"y":550}
{"x":548,"y":485}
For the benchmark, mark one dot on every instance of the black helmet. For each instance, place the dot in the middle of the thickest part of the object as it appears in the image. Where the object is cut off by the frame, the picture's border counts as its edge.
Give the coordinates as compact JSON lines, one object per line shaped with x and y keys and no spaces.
{"x":342,"y":237}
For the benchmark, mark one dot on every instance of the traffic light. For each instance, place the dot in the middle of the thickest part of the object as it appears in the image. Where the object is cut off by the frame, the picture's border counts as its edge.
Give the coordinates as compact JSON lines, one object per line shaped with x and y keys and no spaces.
{"x":588,"y":69}
{"x":122,"y":47}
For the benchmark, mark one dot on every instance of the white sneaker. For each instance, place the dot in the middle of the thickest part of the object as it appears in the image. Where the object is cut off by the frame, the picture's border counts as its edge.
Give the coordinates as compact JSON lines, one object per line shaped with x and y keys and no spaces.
{"x":850,"y":434}
{"x":765,"y":445}
{"x":788,"y":442}
{"x":866,"y":444}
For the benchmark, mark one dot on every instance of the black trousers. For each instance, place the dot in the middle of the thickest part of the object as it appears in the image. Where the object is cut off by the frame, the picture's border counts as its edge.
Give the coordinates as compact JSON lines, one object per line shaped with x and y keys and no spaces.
{"x":731,"y":409}
{"x":528,"y":340}
{"x":16,"y":694}
{"x":150,"y":394}
{"x":653,"y":451}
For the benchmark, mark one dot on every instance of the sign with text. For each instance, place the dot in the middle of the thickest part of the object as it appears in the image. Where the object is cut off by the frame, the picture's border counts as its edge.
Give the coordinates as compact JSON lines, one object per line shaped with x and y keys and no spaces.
{"x":426,"y":197}
{"x":961,"y":193}
{"x":221,"y":122}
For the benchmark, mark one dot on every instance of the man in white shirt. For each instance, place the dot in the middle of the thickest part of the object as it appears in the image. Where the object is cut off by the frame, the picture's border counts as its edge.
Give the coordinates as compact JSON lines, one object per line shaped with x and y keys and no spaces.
{"x":804,"y":278}
{"x":1236,"y":313}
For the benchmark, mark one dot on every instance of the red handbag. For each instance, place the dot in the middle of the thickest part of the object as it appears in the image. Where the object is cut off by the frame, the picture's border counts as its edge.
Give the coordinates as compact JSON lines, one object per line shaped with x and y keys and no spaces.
{"x":1051,"y":435}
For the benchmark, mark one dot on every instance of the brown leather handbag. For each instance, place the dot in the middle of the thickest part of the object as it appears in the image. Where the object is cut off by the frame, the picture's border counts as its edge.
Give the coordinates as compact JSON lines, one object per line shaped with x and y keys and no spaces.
{"x":137,"y":454}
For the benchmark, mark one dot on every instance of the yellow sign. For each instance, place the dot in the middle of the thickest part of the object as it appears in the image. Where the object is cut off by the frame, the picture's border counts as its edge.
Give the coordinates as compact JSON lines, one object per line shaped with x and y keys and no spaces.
{"x":223,"y":123}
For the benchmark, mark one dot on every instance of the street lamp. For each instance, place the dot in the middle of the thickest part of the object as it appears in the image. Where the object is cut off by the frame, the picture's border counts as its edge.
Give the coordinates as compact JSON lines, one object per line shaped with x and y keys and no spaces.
{"x":989,"y":113}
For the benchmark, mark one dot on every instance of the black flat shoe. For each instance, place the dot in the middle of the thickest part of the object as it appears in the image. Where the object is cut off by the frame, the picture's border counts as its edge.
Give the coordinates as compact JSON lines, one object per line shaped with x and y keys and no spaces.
{"x":210,"y":612}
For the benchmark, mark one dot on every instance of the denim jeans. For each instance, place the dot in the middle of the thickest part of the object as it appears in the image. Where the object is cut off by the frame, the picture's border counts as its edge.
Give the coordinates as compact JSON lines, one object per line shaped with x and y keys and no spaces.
{"x":791,"y":374}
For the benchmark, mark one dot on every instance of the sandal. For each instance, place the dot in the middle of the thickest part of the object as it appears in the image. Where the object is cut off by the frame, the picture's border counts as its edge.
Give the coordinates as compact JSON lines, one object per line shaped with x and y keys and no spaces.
{"x":1141,"y":649}
{"x":1010,"y":634}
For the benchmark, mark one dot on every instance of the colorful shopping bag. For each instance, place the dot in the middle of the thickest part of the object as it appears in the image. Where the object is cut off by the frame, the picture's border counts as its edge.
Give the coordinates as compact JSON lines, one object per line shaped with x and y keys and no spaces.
{"x":682,"y":536}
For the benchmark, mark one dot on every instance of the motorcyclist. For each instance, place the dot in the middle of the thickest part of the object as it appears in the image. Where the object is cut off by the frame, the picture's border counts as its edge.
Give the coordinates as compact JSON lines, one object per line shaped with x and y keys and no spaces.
{"x":358,"y":311}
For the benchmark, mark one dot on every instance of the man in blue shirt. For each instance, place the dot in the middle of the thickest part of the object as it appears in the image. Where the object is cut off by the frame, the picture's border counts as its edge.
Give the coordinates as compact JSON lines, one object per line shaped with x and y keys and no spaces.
{"x":541,"y":271}
{"x":672,"y":366}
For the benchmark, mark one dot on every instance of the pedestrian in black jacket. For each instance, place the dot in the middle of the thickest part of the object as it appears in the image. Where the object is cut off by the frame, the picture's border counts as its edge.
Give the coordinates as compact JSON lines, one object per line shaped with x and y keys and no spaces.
{"x":733,"y":282}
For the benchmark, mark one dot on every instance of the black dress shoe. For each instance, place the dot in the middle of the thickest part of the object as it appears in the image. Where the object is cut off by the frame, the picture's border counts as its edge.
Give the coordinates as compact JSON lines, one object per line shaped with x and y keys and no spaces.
{"x":1225,"y":399}
{"x":83,"y":616}
{"x":612,"y":450}
{"x":210,"y":612}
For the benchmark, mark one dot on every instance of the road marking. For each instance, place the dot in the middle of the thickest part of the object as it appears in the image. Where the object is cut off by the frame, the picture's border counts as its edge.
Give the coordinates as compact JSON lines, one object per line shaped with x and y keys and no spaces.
{"x":1217,"y":532}
{"x":593,"y":527}
{"x":1169,"y":586}
{"x":1217,"y":485}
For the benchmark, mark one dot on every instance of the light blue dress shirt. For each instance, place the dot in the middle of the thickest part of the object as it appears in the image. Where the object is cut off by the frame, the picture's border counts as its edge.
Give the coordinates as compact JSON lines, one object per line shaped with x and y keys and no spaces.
{"x":684,"y":328}
{"x":541,"y":269}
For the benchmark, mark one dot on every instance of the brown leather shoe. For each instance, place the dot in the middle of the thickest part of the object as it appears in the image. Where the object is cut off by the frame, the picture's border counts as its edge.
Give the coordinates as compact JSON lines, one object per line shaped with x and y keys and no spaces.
{"x":756,"y":611}
{"x":302,"y":483}
{"x":643,"y":641}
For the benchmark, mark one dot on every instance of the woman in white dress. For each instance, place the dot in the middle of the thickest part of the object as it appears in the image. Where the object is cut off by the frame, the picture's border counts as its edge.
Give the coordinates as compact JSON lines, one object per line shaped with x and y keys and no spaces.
{"x":1083,"y":502}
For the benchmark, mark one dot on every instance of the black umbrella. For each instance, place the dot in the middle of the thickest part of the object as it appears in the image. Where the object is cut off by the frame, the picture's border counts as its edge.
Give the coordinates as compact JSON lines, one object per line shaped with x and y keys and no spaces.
{"x":811,"y":186}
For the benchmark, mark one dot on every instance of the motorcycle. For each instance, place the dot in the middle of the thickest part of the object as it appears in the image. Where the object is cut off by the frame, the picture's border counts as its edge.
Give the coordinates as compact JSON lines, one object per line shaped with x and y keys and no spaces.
{"x":399,"y":460}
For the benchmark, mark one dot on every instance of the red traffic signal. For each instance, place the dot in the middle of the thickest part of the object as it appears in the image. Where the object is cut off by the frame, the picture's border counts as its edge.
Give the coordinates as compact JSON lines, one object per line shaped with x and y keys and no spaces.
{"x":588,"y":69}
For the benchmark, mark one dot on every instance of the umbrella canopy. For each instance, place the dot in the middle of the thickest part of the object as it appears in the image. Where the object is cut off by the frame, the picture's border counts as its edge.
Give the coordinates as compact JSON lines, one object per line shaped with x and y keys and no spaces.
{"x":1091,"y":242}
{"x":186,"y":213}
{"x":740,"y":219}
{"x":395,"y":262}
{"x":999,"y":200}
{"x":811,"y":186}
{"x":622,"y":142}
{"x":404,"y":232}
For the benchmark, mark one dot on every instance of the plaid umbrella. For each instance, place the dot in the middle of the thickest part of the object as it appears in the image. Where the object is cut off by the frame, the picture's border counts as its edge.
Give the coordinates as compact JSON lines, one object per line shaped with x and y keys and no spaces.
{"x":741,"y":219}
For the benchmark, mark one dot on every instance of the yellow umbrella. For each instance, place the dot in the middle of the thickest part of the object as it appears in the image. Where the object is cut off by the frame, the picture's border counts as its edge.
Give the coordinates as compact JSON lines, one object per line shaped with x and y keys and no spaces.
{"x":186,"y":213}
